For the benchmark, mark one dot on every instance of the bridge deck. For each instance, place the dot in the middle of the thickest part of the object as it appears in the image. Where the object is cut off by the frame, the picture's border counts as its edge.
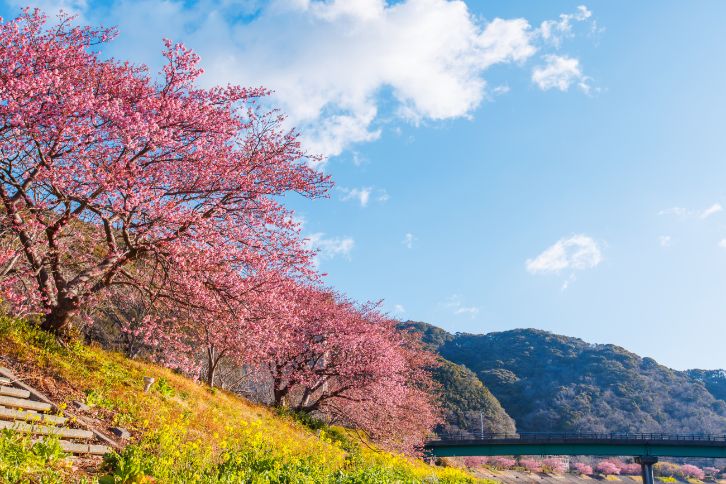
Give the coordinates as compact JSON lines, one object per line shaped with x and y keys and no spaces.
{"x":615,"y":444}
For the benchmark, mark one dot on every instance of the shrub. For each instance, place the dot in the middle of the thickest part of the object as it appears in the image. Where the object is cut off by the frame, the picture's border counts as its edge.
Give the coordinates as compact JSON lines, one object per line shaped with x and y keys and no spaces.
{"x":530,"y":465}
{"x":690,"y":471}
{"x":668,"y":479}
{"x":607,"y":468}
{"x":554,"y":465}
{"x":501,"y":463}
{"x":666,"y":469}
{"x":582,"y":468}
{"x":631,"y":469}
{"x":473,"y":462}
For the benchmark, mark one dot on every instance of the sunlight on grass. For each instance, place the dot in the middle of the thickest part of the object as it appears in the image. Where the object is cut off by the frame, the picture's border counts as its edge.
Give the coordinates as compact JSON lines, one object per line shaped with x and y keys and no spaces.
{"x":183,"y":432}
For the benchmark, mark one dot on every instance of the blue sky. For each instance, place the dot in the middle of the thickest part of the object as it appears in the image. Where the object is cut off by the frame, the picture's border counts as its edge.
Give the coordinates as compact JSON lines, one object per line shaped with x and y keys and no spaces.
{"x":494,"y":174}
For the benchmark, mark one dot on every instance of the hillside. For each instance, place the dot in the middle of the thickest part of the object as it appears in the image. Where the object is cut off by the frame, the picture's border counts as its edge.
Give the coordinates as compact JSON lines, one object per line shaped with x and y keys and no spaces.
{"x":548,"y":382}
{"x":182,"y":431}
{"x":467,"y":403}
{"x":713,"y":380}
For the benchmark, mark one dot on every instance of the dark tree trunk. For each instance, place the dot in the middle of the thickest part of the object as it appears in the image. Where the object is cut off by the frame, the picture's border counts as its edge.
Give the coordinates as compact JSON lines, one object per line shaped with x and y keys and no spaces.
{"x":280,"y":396}
{"x":212,"y":361}
{"x":59,"y":320}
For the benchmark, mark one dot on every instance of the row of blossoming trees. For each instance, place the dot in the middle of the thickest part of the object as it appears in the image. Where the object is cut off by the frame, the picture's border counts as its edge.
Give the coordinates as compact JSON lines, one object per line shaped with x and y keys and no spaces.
{"x":147,"y":211}
{"x":607,"y":467}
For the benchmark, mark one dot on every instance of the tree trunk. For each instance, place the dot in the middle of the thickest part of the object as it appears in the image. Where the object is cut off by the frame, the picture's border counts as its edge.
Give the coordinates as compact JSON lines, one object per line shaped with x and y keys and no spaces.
{"x":59,"y":320}
{"x":211,"y":366}
{"x":280,"y":396}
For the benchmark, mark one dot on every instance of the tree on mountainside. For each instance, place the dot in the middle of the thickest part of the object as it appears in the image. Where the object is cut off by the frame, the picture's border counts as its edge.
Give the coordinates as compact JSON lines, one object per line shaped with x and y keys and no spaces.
{"x":108,"y":178}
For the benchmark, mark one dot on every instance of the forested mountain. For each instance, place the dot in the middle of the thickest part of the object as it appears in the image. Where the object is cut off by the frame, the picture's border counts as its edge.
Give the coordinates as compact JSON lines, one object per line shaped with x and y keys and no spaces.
{"x":714,"y":380}
{"x":548,"y":382}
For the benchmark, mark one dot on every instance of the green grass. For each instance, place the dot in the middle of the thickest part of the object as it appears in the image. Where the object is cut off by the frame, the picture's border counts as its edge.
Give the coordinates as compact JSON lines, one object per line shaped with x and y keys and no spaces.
{"x":24,"y":460}
{"x":185,"y":432}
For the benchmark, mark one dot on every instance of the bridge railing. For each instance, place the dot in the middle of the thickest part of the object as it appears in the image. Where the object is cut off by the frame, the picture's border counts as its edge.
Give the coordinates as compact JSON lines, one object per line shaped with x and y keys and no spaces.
{"x":571,"y":436}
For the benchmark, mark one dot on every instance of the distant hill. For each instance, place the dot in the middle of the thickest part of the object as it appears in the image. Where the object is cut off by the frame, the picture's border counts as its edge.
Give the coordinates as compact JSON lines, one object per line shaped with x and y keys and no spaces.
{"x":548,"y":382}
{"x":468,"y":405}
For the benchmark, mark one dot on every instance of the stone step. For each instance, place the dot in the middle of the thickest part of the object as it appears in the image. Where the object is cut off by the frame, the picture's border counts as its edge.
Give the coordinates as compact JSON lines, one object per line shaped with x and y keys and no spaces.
{"x":5,"y":381}
{"x":14,"y":392}
{"x":76,"y":448}
{"x":12,"y":402}
{"x":31,"y":416}
{"x":47,"y":430}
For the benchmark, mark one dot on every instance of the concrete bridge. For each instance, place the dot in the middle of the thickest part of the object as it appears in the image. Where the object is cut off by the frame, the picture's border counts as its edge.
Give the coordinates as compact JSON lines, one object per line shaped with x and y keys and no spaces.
{"x":646,"y":448}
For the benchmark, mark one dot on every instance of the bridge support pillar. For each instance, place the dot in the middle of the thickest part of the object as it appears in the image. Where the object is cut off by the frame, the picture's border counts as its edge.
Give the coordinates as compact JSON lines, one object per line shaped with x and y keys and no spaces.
{"x":646,"y":467}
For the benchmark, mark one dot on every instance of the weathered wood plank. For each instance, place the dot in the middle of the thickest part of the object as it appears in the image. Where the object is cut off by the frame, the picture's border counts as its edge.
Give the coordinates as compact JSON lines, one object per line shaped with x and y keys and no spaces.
{"x":23,"y":403}
{"x":30,"y":416}
{"x":76,"y":448}
{"x":47,"y":430}
{"x":14,"y":392}
{"x":5,"y":381}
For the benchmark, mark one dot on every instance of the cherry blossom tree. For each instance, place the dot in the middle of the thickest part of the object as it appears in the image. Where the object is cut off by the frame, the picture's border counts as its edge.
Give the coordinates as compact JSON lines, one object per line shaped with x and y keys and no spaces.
{"x":501,"y":463}
{"x":531,"y":465}
{"x":554,"y":465}
{"x":630,"y":469}
{"x":348,"y":362}
{"x":607,"y":468}
{"x":711,"y":471}
{"x":104,"y":169}
{"x":690,"y":471}
{"x":582,"y":468}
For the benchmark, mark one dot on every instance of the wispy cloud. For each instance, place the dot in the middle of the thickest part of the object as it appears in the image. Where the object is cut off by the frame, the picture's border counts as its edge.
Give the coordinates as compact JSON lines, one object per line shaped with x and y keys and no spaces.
{"x":408,"y":240}
{"x":457,"y":307}
{"x":713,"y":209}
{"x":399,"y":309}
{"x":560,"y":72}
{"x":363,"y":195}
{"x":555,"y":31}
{"x":577,"y":252}
{"x":722,"y":243}
{"x":688,"y":213}
{"x":665,"y":240}
{"x":329,"y":247}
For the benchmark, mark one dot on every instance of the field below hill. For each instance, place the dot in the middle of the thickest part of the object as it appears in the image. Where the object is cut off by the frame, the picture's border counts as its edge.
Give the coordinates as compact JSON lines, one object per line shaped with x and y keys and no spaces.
{"x":181,"y":430}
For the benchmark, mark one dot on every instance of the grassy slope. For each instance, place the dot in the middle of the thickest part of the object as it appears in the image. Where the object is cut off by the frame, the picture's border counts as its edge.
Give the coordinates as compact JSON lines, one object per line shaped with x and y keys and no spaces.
{"x":184,"y":432}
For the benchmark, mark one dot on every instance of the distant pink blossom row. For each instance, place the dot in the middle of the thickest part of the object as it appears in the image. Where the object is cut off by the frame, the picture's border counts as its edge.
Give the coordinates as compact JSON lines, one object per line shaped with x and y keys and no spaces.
{"x":605,"y":467}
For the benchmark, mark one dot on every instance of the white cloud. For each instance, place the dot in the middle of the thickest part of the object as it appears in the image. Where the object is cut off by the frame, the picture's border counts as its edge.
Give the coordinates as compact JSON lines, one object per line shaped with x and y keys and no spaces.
{"x":382,"y":196}
{"x":554,"y":31}
{"x":684,"y":212}
{"x":713,"y":209}
{"x":408,"y":240}
{"x":577,"y":252}
{"x":560,"y":72}
{"x":457,"y":307}
{"x":665,"y":240}
{"x":568,"y":281}
{"x":328,"y":61}
{"x":329,"y":247}
{"x":722,"y":243}
{"x":399,"y":309}
{"x":363,"y":195}
{"x":501,"y":89}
